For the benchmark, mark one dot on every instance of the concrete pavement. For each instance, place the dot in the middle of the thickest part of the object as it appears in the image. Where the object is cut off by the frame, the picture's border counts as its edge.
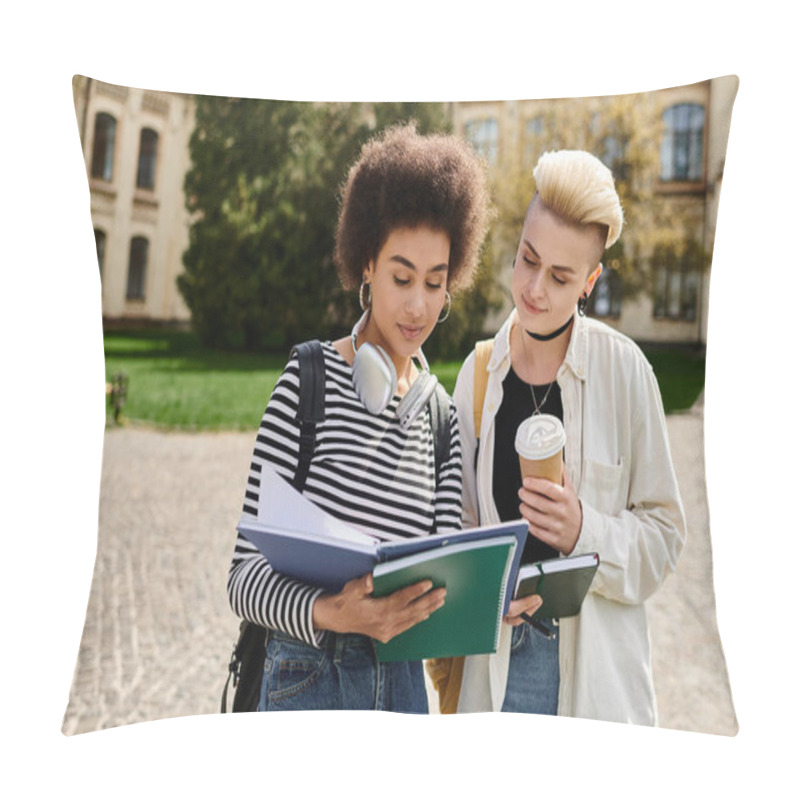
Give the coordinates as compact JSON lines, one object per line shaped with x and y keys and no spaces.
{"x":159,"y":631}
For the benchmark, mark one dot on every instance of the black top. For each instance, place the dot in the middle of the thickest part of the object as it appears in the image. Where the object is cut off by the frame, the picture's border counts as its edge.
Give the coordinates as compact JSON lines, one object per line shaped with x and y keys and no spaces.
{"x":506,"y":479}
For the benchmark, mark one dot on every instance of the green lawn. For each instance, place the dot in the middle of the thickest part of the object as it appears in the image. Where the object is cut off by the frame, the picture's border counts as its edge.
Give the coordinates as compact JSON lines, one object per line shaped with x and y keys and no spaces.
{"x":681,"y":375}
{"x":173,"y":381}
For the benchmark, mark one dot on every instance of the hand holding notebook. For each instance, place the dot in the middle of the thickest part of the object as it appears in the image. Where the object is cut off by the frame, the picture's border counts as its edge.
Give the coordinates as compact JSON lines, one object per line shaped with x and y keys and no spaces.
{"x":562,"y":584}
{"x":477,"y":568}
{"x":356,"y":610}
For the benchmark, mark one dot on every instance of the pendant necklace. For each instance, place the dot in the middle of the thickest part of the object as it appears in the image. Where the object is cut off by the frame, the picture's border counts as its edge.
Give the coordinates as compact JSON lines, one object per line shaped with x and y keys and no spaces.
{"x":538,"y":406}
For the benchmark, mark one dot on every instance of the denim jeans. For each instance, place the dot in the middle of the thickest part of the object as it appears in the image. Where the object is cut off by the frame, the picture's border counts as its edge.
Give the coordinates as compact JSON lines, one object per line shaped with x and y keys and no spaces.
{"x":533,"y":672}
{"x":344,"y":673}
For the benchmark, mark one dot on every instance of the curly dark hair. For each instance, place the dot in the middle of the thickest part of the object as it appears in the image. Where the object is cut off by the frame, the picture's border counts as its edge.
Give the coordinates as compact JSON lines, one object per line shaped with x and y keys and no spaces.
{"x":404,"y":179}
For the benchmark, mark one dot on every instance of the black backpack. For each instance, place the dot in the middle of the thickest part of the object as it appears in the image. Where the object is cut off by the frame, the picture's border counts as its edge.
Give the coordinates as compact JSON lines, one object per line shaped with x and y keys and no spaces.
{"x":246,"y":666}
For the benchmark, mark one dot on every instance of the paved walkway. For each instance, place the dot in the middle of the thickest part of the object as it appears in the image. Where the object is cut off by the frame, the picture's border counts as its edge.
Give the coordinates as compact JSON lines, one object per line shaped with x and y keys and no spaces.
{"x":159,"y":631}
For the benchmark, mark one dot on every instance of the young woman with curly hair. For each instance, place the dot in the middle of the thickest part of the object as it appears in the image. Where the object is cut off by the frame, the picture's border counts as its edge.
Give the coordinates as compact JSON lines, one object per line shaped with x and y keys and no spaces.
{"x":413,"y":217}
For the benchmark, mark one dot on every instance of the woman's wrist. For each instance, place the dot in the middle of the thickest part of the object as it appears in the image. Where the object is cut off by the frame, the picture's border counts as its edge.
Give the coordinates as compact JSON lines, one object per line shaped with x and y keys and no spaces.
{"x":580,"y":529}
{"x":324,"y":612}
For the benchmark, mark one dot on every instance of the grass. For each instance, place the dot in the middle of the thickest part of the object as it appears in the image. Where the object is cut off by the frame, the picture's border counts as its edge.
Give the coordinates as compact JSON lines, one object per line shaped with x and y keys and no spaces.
{"x":173,"y":381}
{"x":681,"y":374}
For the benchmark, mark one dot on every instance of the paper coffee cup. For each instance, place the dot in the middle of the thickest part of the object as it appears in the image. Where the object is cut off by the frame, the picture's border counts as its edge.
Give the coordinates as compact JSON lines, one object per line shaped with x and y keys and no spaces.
{"x":539,"y":442}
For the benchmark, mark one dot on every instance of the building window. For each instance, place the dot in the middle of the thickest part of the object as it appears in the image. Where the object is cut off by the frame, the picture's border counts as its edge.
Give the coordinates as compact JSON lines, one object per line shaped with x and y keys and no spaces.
{"x":613,"y":156}
{"x":105,"y":128}
{"x":100,"y":245}
{"x":148,"y":149}
{"x":606,"y":298}
{"x":483,"y":135}
{"x":677,"y":283}
{"x":534,"y":127}
{"x":682,"y":143}
{"x":534,"y":130}
{"x":137,"y":268}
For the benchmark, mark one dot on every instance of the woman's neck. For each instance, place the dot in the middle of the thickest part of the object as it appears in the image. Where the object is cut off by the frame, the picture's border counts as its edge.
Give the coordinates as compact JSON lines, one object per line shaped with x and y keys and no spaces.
{"x":536,"y":361}
{"x":406,"y":373}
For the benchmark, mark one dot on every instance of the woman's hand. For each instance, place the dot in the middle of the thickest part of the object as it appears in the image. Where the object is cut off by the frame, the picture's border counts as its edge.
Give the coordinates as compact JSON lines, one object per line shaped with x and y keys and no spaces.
{"x":523,"y":605}
{"x":355,"y":610}
{"x":553,"y":512}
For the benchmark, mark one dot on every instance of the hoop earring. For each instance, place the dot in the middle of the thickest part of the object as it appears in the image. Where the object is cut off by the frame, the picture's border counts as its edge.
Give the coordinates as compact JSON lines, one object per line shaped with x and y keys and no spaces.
{"x":582,"y":301}
{"x":365,"y":304}
{"x":449,"y":305}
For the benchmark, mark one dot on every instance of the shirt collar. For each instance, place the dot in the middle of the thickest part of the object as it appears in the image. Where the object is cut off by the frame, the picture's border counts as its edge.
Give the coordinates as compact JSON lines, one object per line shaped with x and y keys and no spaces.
{"x":577,"y":351}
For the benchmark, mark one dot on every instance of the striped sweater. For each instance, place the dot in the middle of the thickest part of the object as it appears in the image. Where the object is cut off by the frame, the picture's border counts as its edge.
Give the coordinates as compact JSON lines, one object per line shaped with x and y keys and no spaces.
{"x":365,"y":470}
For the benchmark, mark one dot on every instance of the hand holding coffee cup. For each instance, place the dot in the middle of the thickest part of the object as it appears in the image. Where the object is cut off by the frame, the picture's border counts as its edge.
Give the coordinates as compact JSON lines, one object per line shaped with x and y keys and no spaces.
{"x":539,"y":442}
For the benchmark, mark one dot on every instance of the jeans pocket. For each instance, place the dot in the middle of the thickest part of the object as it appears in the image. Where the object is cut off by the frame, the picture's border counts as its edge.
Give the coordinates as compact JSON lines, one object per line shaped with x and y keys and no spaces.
{"x":518,"y":636}
{"x":292,"y":672}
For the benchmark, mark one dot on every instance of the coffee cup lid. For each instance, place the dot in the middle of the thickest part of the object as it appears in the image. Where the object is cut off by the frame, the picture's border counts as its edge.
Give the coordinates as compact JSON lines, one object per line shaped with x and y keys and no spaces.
{"x":540,"y":436}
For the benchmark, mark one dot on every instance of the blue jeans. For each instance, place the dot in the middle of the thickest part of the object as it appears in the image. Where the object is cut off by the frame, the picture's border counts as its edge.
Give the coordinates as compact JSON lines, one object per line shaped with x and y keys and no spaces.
{"x":533,"y":672}
{"x":344,"y":673}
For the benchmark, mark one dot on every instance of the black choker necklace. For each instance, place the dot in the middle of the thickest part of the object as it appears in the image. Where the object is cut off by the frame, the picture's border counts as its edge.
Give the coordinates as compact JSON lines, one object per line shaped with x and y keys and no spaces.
{"x":546,"y":337}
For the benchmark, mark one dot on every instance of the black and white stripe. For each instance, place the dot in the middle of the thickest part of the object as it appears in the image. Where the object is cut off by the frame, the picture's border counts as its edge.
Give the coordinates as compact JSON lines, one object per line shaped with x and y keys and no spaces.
{"x":365,"y":470}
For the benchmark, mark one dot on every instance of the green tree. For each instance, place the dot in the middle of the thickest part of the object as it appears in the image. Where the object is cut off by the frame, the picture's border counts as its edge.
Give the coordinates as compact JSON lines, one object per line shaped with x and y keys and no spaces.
{"x":263,"y":192}
{"x":260,"y":192}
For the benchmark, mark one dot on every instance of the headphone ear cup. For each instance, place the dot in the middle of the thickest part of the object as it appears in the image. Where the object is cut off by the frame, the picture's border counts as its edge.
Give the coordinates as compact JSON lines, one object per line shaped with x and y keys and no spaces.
{"x":374,"y":377}
{"x":416,"y":398}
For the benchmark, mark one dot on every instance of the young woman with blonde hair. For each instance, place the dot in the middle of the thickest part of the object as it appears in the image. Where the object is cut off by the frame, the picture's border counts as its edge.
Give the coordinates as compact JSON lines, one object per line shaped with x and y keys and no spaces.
{"x":619,"y":495}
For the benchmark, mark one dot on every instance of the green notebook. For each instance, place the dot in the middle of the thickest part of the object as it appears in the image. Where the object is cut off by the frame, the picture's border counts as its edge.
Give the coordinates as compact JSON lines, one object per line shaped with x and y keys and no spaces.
{"x":562,"y":584}
{"x":476,"y":576}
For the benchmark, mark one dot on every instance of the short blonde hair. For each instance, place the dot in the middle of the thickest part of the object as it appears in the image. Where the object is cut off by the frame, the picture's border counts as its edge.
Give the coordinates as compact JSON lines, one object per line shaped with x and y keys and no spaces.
{"x":577,"y":187}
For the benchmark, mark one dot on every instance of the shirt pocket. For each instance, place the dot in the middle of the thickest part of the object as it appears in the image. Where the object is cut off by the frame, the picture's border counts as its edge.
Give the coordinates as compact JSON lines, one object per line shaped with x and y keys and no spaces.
{"x":605,"y":486}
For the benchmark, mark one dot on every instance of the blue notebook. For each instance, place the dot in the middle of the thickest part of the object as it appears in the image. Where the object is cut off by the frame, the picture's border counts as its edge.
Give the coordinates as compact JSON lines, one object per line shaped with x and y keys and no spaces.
{"x":302,"y":541}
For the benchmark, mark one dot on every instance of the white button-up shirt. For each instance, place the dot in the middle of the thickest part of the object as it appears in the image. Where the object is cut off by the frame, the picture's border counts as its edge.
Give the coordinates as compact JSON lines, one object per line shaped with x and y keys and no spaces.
{"x":618,"y":459}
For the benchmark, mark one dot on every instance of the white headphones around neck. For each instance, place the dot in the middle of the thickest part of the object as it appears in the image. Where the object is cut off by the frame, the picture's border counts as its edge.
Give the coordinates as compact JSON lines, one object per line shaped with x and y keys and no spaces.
{"x":375,"y":380}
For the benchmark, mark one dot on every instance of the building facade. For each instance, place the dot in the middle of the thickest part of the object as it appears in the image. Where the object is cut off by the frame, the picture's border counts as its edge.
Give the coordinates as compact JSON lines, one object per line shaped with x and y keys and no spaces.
{"x":670,"y":146}
{"x":136,"y":150}
{"x":667,"y":149}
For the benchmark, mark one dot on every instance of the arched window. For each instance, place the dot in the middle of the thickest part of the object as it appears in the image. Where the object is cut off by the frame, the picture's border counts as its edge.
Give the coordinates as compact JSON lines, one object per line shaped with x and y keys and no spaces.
{"x":682,"y":143}
{"x":100,"y":244}
{"x":137,"y":268}
{"x":534,"y":126}
{"x":532,"y":135}
{"x":105,"y":128}
{"x":148,"y":150}
{"x":482,"y":134}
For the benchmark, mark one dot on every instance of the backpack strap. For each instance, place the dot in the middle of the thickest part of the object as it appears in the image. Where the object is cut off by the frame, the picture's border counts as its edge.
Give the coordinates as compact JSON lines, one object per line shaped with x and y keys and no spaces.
{"x":440,"y":427}
{"x":483,"y":352}
{"x":311,"y":405}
